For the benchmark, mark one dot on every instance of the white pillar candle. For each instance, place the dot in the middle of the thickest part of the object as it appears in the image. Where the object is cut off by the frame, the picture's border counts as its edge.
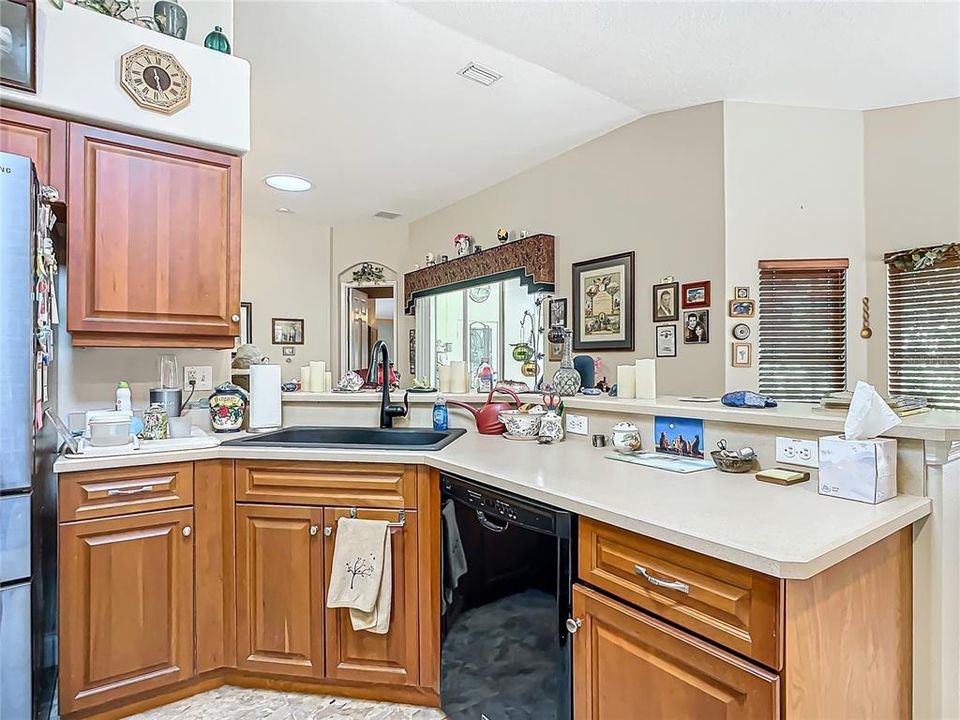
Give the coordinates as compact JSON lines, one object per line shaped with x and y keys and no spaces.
{"x":444,"y":379}
{"x":305,"y":378}
{"x":327,"y":381}
{"x":458,"y":377}
{"x":626,"y":381}
{"x":318,"y":369}
{"x":645,"y":379}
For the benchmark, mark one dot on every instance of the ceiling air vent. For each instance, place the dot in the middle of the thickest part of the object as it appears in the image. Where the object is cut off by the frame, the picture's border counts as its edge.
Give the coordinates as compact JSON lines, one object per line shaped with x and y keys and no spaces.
{"x":480,"y":74}
{"x":386,"y":215}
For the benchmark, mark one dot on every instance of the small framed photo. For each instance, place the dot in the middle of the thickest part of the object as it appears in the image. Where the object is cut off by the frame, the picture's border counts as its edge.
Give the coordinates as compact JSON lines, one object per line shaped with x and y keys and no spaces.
{"x":742,"y":355}
{"x":287,"y":331}
{"x":289,"y":351}
{"x":696,"y":327}
{"x":558,"y":312}
{"x":666,"y":341}
{"x":742,"y":308}
{"x":695,"y":294}
{"x":554,"y":351}
{"x":741,"y":293}
{"x":666,"y":307}
{"x":18,"y":45}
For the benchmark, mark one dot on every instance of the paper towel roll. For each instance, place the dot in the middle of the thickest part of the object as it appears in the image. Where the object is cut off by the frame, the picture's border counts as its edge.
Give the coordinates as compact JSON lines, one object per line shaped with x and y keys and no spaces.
{"x":305,"y":378}
{"x":626,"y":381}
{"x":264,"y":397}
{"x":317,"y":370}
{"x":327,"y":381}
{"x":645,"y":379}
{"x":458,"y":377}
{"x":444,"y":379}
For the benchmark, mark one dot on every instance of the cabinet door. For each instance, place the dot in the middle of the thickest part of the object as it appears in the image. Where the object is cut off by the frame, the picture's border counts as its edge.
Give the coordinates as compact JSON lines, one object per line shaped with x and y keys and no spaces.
{"x":627,"y":664}
{"x":126,"y":606}
{"x":40,"y":138}
{"x":392,"y":658}
{"x":280,"y":590}
{"x":154,"y":254}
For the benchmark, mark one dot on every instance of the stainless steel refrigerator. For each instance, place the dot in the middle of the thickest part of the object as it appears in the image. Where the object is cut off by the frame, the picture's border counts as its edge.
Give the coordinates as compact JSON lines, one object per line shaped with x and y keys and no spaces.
{"x":28,"y":445}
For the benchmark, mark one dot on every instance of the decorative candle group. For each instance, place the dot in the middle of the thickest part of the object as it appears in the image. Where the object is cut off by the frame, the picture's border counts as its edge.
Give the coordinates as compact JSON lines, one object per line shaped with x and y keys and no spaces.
{"x":638,"y":380}
{"x":453,"y":378}
{"x":315,"y":377}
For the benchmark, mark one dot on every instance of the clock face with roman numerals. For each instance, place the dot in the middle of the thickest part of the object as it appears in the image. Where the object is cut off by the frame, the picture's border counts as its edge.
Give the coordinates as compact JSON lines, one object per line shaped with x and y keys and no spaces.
{"x":155,"y":80}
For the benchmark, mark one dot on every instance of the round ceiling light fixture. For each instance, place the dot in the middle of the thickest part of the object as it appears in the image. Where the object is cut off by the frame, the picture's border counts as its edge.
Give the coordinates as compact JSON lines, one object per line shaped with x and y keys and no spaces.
{"x":288,"y":183}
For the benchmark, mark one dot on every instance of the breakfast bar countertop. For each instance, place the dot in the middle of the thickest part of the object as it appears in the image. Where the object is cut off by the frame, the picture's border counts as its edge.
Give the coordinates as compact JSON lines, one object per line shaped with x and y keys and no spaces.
{"x":788,"y":532}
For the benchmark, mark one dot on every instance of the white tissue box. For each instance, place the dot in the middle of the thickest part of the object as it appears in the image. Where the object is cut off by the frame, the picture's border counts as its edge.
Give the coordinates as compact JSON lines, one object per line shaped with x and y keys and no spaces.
{"x":863,"y":470}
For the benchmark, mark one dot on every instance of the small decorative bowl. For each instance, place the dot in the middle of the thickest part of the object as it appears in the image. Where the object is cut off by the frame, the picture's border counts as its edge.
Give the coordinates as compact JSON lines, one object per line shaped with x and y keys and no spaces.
{"x":731,"y":464}
{"x":523,"y":424}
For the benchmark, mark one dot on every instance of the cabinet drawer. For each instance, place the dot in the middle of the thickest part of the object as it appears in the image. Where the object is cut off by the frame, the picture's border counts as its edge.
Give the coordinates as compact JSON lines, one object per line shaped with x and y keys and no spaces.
{"x":731,"y":605}
{"x":103,"y":493}
{"x":337,"y":484}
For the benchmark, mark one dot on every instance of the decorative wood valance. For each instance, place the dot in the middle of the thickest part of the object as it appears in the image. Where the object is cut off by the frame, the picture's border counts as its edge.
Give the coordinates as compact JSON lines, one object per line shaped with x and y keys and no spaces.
{"x":530,"y":259}
{"x":923,"y":258}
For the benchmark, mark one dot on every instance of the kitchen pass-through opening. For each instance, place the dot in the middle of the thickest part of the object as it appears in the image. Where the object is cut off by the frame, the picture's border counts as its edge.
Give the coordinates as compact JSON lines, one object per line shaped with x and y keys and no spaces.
{"x":506,"y":593}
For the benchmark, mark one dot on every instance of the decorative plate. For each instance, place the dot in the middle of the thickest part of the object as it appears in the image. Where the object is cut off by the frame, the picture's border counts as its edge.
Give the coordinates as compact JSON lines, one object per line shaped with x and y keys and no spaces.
{"x":741,"y":331}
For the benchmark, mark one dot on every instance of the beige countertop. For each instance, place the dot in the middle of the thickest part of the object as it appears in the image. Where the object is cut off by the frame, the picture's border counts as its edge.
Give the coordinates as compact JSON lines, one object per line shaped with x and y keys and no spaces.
{"x":787,"y":532}
{"x":943,"y":425}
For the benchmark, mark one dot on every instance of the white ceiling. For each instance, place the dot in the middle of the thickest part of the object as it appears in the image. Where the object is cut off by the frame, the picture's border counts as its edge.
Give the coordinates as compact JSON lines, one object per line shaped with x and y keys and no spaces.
{"x":363,"y":98}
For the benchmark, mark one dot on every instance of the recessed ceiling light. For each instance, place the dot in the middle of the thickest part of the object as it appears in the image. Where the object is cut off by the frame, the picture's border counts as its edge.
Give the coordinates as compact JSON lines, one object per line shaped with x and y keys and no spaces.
{"x":284,"y":210}
{"x":288,"y":183}
{"x":386,"y":215}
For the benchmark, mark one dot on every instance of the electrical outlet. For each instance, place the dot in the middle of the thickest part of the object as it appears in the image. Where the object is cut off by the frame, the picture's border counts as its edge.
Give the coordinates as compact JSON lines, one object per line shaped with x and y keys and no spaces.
{"x":577,"y":424}
{"x":792,"y":451}
{"x":202,"y":375}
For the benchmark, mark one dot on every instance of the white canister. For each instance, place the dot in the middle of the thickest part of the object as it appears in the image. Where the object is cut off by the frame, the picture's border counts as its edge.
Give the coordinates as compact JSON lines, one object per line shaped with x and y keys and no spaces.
{"x":626,"y":437}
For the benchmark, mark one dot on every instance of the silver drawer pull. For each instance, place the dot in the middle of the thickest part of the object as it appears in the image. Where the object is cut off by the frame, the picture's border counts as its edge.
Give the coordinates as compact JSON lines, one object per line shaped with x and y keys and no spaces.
{"x":314,"y":529}
{"x":134,"y":491}
{"x":666,"y":584}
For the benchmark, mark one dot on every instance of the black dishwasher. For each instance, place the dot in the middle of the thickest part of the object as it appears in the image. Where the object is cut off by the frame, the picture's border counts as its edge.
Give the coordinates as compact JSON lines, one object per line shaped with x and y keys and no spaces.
{"x":506,"y":574}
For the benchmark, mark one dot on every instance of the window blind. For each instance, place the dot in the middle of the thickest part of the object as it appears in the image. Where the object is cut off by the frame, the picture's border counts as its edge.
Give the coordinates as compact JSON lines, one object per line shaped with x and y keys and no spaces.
{"x":923,"y":351}
{"x":803,"y":329}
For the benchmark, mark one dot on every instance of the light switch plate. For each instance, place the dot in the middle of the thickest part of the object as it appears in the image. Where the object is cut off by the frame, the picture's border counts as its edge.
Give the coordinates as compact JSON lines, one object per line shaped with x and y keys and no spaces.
{"x":792,"y":451}
{"x":577,"y":424}
{"x":202,"y":374}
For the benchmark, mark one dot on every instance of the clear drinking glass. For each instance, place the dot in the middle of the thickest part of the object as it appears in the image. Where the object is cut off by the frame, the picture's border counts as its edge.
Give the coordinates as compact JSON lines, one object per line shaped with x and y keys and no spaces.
{"x":169,"y":371}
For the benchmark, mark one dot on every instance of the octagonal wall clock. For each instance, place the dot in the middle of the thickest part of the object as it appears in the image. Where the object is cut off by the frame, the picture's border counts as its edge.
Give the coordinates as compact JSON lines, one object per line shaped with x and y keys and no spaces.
{"x":155,"y":80}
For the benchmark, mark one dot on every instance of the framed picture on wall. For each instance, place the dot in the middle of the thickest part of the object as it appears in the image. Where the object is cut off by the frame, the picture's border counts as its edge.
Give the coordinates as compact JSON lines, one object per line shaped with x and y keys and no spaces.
{"x":742,"y":355}
{"x":742,"y":308}
{"x":18,"y":45}
{"x":696,"y":327}
{"x":554,"y":351}
{"x":413,"y":353}
{"x":666,"y":304}
{"x":666,"y":341}
{"x":695,"y":294}
{"x":287,"y":331}
{"x":603,"y":302}
{"x":558,"y":312}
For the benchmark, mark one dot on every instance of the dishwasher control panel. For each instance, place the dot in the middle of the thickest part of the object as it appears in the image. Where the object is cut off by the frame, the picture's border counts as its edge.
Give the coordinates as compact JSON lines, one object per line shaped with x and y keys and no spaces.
{"x":497,"y":504}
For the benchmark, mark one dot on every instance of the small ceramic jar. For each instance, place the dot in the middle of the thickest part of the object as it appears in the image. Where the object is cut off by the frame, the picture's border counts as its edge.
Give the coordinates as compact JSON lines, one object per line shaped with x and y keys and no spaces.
{"x":228,"y":403}
{"x":156,"y":422}
{"x":626,"y":437}
{"x":551,"y":426}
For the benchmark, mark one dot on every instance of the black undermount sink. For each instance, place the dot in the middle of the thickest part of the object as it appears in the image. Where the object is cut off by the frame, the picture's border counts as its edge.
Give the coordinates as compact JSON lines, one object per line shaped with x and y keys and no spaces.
{"x":353,"y":437}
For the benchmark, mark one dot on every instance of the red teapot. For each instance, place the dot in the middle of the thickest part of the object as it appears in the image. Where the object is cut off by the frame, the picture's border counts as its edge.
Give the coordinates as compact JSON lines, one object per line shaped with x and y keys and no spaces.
{"x":488,"y":416}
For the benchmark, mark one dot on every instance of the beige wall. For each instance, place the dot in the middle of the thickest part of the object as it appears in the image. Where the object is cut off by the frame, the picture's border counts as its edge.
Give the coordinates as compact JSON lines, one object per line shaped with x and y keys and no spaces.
{"x":654,"y":186}
{"x":793,"y":189}
{"x":912,"y":188}
{"x":285,"y":273}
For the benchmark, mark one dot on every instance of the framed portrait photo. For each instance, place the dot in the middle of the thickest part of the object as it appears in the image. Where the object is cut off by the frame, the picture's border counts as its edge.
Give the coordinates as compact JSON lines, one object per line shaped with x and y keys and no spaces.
{"x":558,"y":312}
{"x":696,"y":327}
{"x":18,"y":44}
{"x":666,"y":341}
{"x":742,"y":308}
{"x":603,"y":301}
{"x":695,"y":294}
{"x":742,"y":355}
{"x":287,"y":331}
{"x":666,"y":303}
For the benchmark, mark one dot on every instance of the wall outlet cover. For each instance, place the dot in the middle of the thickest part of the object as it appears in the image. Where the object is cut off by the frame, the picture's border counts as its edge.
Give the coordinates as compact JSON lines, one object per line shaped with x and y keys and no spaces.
{"x":201,"y":374}
{"x":792,"y":451}
{"x":577,"y":424}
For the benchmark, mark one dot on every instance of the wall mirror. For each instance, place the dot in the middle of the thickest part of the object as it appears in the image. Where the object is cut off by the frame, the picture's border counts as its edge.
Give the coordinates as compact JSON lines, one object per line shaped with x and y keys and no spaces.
{"x":369,"y":311}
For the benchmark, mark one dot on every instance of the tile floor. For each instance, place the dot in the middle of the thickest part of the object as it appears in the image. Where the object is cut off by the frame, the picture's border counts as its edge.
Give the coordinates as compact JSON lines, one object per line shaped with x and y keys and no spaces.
{"x":233,"y":703}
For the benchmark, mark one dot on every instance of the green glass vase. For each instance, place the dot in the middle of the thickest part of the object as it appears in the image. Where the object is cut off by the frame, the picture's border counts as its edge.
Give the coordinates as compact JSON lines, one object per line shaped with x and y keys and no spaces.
{"x":216,"y":40}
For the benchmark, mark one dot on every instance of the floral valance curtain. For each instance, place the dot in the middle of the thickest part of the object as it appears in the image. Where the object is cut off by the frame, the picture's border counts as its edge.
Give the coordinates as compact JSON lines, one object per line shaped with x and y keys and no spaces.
{"x":923,"y":258}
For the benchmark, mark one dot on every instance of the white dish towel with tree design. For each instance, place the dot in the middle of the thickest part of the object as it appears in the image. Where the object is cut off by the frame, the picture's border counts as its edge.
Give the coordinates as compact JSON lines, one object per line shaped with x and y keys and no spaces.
{"x":362,"y":575}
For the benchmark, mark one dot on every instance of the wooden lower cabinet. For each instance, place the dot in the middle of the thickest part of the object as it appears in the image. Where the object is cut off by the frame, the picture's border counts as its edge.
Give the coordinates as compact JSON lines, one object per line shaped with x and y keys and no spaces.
{"x":127,"y":606}
{"x":280,"y":590}
{"x":393,"y":658}
{"x":627,"y":664}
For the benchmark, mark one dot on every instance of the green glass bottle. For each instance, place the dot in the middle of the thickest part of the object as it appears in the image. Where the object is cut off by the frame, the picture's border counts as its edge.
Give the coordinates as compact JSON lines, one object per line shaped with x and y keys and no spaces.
{"x":216,"y":40}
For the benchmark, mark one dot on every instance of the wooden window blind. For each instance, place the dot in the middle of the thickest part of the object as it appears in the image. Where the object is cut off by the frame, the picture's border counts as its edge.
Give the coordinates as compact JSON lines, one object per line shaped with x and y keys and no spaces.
{"x":923,"y":319}
{"x":803,"y":328}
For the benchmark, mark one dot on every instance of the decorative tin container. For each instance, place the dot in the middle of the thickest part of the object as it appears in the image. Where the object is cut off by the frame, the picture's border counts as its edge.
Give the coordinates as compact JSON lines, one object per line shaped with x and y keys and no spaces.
{"x":156,"y":423}
{"x":228,"y":403}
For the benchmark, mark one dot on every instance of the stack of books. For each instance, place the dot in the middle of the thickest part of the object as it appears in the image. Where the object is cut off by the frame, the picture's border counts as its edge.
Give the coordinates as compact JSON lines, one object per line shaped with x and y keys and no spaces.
{"x":902,"y":405}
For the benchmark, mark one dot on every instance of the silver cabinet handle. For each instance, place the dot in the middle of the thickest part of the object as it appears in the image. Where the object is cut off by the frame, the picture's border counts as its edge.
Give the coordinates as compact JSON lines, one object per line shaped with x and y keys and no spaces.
{"x":235,"y":318}
{"x":328,"y":531}
{"x":187,"y":531}
{"x":134,"y":491}
{"x":666,"y":584}
{"x":573,"y":624}
{"x":314,"y":529}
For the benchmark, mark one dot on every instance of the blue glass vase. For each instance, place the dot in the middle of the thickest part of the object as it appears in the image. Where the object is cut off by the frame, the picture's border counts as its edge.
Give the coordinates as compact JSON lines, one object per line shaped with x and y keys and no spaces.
{"x":216,"y":40}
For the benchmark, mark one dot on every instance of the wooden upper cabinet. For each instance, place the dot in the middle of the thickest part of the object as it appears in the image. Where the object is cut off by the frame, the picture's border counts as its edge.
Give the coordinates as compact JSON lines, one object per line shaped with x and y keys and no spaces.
{"x":154,"y":252}
{"x":42,"y":139}
{"x":627,"y":664}
{"x":392,"y":658}
{"x":126,"y":606}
